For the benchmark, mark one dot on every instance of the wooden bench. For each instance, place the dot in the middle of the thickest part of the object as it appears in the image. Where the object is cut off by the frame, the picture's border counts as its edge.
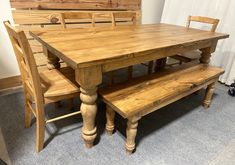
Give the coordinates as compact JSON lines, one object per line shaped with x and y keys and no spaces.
{"x":144,"y":95}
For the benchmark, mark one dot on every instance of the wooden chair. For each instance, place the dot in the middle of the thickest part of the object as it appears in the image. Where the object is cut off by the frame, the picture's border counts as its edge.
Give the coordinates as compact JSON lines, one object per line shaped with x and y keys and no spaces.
{"x":120,"y":18}
{"x":75,"y":17}
{"x":195,"y":55}
{"x":49,"y":86}
{"x":124,"y":17}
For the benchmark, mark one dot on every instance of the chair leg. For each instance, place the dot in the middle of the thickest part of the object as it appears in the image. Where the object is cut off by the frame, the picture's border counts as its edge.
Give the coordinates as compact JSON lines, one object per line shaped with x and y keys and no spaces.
{"x":208,"y":96}
{"x":131,"y":132}
{"x":57,"y":104}
{"x":110,"y":115}
{"x":70,"y":104}
{"x":160,"y":64}
{"x":111,"y":78}
{"x":150,"y":67}
{"x":130,"y":71}
{"x":28,"y":115}
{"x":40,"y":128}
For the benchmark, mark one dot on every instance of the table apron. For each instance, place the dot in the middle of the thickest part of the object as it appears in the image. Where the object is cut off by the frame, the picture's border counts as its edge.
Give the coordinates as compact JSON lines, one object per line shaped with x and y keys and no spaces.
{"x":138,"y":58}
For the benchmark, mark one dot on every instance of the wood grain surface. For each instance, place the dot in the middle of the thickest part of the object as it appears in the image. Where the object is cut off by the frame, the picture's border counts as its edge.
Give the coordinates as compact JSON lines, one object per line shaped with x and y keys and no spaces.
{"x":86,"y":47}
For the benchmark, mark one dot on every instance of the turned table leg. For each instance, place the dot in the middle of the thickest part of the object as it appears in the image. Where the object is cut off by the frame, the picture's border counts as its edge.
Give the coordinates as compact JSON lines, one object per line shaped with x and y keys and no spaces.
{"x":205,"y":56}
{"x":208,"y":96}
{"x":205,"y":59}
{"x":131,"y":132}
{"x":52,"y":60}
{"x":110,"y":115}
{"x":88,"y":110}
{"x":160,"y":64}
{"x":88,"y":79}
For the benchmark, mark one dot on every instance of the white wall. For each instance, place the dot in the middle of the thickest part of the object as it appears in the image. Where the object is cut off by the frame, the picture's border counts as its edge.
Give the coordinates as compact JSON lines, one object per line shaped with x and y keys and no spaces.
{"x":8,"y":64}
{"x":152,"y":11}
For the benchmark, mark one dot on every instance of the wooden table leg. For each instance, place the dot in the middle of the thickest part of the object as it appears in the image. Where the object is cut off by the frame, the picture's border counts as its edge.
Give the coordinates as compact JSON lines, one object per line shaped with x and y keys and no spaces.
{"x":52,"y":60}
{"x":205,"y":56}
{"x":206,"y":53}
{"x":89,"y":79}
{"x":205,"y":59}
{"x":160,"y":64}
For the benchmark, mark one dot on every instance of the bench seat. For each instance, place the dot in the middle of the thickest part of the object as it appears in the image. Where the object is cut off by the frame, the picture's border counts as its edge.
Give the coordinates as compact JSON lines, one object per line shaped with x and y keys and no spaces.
{"x":144,"y":95}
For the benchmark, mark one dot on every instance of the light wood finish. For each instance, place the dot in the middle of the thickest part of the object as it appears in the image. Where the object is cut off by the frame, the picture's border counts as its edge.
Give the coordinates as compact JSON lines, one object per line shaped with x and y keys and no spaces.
{"x":139,"y":95}
{"x":40,"y":88}
{"x":89,"y":79}
{"x":207,"y":20}
{"x":129,"y":17}
{"x":135,"y":42}
{"x":94,"y":51}
{"x":10,"y":82}
{"x":131,"y":132}
{"x":75,"y":4}
{"x":74,"y":16}
{"x":110,"y":115}
{"x":106,"y":18}
{"x":27,"y":19}
{"x":144,"y":95}
{"x":195,"y":54}
{"x":208,"y":96}
{"x":132,"y":19}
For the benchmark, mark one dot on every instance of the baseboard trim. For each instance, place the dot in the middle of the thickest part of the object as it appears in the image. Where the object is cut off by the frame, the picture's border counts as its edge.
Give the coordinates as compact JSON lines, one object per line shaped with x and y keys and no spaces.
{"x":10,"y":82}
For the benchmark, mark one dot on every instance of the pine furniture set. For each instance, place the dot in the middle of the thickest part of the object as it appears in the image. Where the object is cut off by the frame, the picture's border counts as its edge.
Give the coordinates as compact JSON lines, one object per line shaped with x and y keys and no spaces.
{"x":90,"y":52}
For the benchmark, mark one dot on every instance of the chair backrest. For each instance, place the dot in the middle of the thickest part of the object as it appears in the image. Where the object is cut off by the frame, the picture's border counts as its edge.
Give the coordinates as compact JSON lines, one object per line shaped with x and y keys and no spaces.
{"x":212,"y":21}
{"x":118,"y":16}
{"x":26,"y":61}
{"x":74,"y":17}
{"x":102,"y":18}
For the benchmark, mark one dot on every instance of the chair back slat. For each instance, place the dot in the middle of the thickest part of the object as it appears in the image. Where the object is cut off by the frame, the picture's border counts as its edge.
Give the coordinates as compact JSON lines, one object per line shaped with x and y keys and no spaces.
{"x":120,"y":15}
{"x":74,"y":16}
{"x":25,"y":59}
{"x":102,"y":18}
{"x":212,"y":21}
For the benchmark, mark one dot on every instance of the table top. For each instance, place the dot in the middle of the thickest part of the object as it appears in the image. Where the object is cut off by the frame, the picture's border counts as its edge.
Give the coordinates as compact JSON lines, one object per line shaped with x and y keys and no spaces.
{"x":84,"y":47}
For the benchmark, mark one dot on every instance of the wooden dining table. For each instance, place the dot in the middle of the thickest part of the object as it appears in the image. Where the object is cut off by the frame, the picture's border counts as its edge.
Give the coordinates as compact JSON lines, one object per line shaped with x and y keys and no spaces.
{"x":94,"y":51}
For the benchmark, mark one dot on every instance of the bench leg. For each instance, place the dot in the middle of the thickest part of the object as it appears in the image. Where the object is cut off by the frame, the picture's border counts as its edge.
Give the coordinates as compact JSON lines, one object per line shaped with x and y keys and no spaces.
{"x":208,"y":96}
{"x":150,"y":67}
{"x":130,"y":72}
{"x":131,"y":132}
{"x":110,"y":115}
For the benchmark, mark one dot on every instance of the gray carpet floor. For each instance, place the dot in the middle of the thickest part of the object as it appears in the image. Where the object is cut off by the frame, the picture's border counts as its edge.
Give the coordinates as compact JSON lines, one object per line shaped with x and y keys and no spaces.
{"x":182,"y":133}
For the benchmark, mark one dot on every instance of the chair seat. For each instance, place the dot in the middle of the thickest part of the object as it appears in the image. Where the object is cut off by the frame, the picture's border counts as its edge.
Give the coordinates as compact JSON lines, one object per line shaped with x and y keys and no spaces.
{"x":187,"y":56}
{"x":193,"y":55}
{"x":57,"y":83}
